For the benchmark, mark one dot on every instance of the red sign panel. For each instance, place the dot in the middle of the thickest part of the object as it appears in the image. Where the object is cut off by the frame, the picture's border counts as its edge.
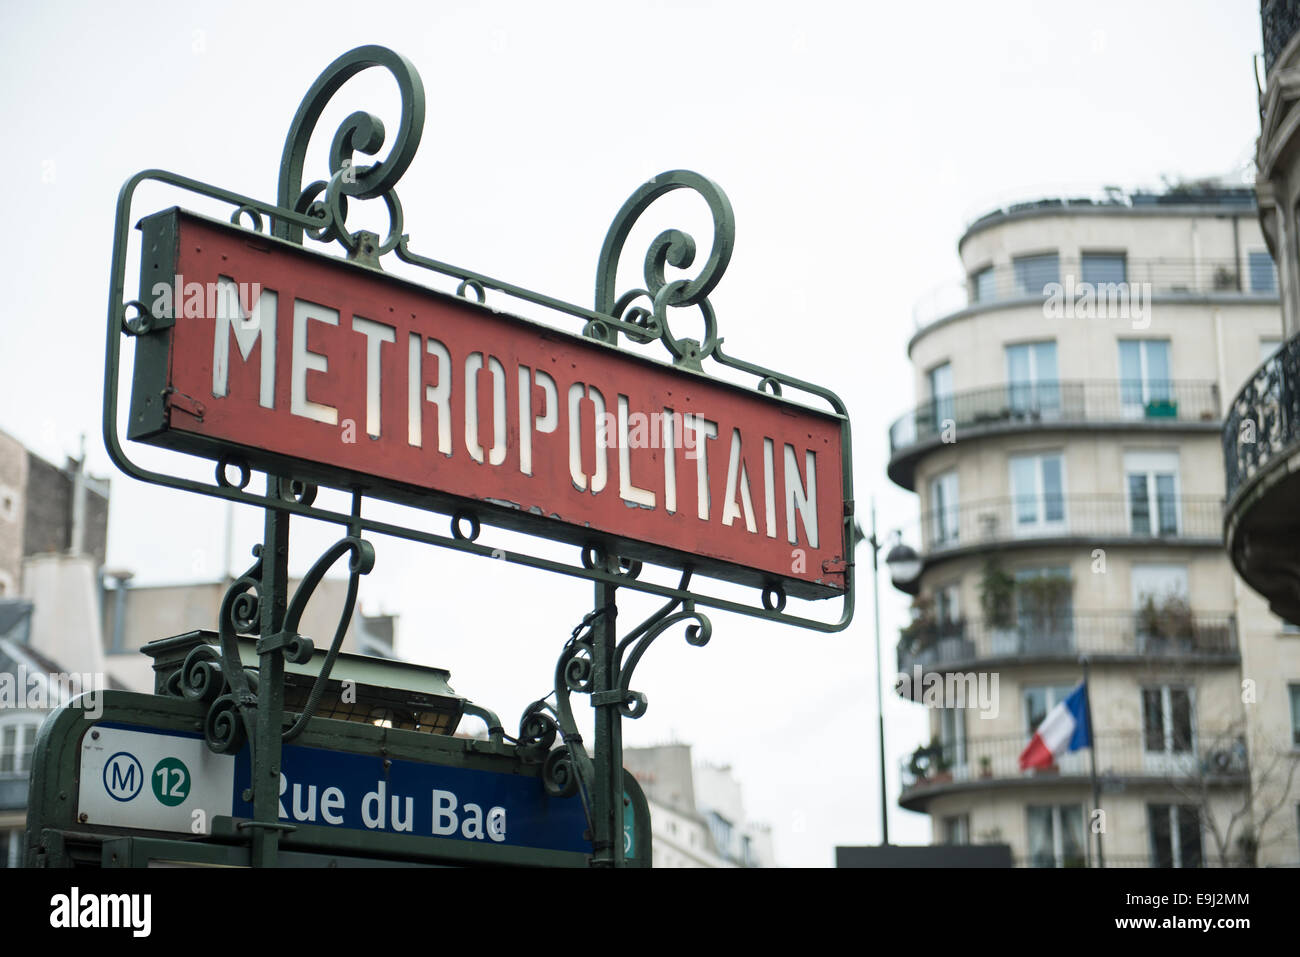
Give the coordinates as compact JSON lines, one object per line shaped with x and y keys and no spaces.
{"x":357,"y":379}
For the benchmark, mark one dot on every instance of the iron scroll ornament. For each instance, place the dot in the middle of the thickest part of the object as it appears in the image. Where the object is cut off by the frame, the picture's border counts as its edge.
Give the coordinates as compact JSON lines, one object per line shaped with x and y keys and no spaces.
{"x":319,"y":211}
{"x":218,"y":677}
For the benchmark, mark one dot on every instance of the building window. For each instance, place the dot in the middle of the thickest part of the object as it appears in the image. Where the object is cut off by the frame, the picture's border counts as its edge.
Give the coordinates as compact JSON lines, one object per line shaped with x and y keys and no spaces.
{"x":722,"y":832}
{"x":1175,"y":835}
{"x":1263,"y":274}
{"x":952,"y":736}
{"x":1295,"y":714}
{"x":1040,"y":699}
{"x":1168,"y":723}
{"x":1032,"y":383}
{"x":984,"y":285}
{"x":1045,"y":609}
{"x":1038,"y":492}
{"x":17,"y":738}
{"x":947,"y":606}
{"x":941,"y":394}
{"x":943,"y":509}
{"x":1146,"y":387}
{"x":1056,"y":835}
{"x":1151,"y":481}
{"x":1102,"y":268}
{"x":1034,"y":272}
{"x":11,"y":848}
{"x":956,"y":829}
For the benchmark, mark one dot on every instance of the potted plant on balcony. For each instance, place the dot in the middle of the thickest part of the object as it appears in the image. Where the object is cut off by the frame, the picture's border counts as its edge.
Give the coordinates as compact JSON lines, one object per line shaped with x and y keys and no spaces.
{"x":1224,"y":279}
{"x":919,"y":635}
{"x":1165,"y":624}
{"x":929,"y":765}
{"x":921,"y":763}
{"x":997,"y":590}
{"x":1045,"y":609}
{"x":942,"y":772}
{"x":986,"y":766}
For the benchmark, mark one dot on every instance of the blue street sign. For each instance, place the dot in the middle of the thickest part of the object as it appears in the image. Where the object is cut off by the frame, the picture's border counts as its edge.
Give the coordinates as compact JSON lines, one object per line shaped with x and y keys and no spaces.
{"x":372,"y":793}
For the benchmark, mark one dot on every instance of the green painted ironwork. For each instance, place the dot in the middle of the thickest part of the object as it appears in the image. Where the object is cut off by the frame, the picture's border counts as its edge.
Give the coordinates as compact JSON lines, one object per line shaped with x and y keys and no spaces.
{"x":240,"y":705}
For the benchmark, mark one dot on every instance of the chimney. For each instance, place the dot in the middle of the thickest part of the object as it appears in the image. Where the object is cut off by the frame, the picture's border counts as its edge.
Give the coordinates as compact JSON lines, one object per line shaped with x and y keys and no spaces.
{"x":77,"y":544}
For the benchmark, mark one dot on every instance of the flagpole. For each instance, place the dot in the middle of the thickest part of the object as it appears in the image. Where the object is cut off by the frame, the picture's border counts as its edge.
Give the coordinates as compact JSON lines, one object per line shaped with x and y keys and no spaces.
{"x":1092,"y":755}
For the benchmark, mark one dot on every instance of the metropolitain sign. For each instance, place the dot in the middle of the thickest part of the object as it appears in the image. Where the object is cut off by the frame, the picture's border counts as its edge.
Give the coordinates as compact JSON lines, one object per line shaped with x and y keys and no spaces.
{"x":343,"y":375}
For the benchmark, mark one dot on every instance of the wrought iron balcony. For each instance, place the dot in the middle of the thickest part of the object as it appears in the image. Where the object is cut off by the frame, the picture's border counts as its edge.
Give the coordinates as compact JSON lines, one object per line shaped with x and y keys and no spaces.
{"x":1208,"y":758}
{"x":1073,"y":404}
{"x":1280,"y":19}
{"x":1002,"y":523}
{"x":1140,"y":635}
{"x":1112,"y":289}
{"x":1261,"y":436}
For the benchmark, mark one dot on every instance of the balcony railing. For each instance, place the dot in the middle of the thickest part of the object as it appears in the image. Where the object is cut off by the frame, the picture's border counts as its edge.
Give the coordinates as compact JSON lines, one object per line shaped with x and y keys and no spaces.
{"x":1027,"y":518}
{"x":1279,"y":20}
{"x":1263,"y":421}
{"x":1112,"y":290}
{"x":1021,"y":405}
{"x":1208,"y":757}
{"x":1150,"y":634}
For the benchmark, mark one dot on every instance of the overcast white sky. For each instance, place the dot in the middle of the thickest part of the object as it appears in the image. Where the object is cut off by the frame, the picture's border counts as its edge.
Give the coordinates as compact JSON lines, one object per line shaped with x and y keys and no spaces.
{"x":854,"y":140}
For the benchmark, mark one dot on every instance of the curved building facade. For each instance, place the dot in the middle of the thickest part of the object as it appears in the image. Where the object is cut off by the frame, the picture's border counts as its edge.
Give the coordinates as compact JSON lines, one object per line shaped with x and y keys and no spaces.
{"x":1065,"y":448}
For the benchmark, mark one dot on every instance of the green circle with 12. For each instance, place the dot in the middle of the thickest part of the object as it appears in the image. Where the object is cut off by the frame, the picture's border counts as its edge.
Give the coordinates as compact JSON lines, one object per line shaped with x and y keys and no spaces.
{"x":171,"y":781}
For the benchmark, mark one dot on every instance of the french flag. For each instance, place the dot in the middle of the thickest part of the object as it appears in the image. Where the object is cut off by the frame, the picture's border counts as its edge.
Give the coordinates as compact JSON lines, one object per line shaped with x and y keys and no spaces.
{"x":1064,"y":729}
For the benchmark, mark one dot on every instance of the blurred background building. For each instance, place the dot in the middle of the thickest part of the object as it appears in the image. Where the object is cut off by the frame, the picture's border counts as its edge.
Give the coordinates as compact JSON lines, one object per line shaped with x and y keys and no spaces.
{"x":1261,"y":433}
{"x":61,"y":612}
{"x":697,"y":816}
{"x":1065,"y":450}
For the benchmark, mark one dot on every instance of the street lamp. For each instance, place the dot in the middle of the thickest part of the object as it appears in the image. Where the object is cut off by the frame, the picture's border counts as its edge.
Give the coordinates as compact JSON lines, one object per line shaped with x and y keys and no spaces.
{"x":904,"y":565}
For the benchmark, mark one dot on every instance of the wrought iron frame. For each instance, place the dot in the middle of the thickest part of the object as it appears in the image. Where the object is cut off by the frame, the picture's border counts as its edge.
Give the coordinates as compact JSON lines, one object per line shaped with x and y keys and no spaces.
{"x":594,"y":661}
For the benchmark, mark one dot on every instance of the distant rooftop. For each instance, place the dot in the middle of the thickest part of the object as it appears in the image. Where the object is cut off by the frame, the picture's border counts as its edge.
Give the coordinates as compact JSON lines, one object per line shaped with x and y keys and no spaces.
{"x":1196,"y":193}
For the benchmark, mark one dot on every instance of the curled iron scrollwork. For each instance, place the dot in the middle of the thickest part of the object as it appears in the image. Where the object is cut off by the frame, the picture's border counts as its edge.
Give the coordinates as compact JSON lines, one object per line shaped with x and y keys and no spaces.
{"x":635,"y":644}
{"x":219,"y":678}
{"x":672,"y":247}
{"x":361,"y":132}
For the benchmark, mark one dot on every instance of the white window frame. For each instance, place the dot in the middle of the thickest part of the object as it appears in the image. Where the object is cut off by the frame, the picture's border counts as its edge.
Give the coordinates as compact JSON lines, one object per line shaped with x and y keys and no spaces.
{"x":945,"y":517}
{"x":1139,"y":411}
{"x":1175,"y":842}
{"x":952,"y":733}
{"x":1040,"y":526}
{"x":1152,"y":463}
{"x":1058,"y":831}
{"x":1167,"y":760}
{"x":20,"y":722}
{"x":941,"y":401}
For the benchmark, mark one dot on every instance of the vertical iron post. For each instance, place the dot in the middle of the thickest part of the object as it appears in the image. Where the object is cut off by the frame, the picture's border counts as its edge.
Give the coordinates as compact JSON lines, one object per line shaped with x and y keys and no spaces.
{"x":607,"y":801}
{"x":1092,"y":755}
{"x":880,"y":695}
{"x":272,"y":600}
